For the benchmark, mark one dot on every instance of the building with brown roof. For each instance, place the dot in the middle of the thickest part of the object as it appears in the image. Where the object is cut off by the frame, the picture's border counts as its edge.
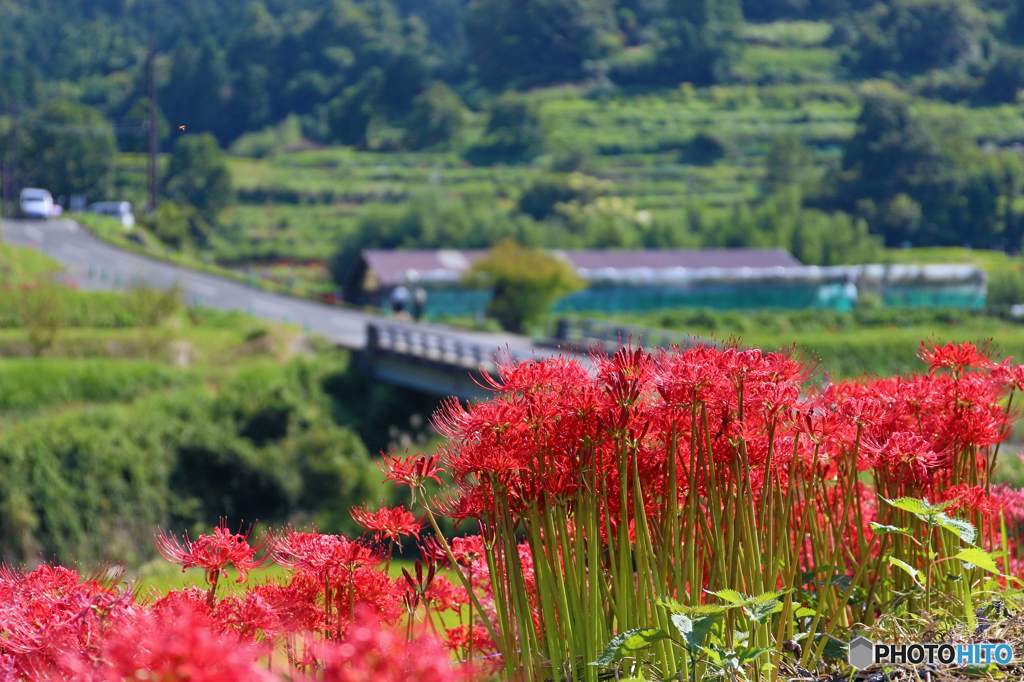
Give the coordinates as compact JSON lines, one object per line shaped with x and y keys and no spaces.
{"x":653,"y":279}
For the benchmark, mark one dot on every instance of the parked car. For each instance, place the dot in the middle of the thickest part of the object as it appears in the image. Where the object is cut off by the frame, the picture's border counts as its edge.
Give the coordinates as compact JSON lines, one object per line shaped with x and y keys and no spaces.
{"x":122,"y":210}
{"x":36,"y":203}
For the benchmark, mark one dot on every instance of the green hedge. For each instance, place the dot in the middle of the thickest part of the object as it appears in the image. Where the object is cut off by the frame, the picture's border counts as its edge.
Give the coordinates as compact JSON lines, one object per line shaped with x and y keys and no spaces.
{"x":95,"y":483}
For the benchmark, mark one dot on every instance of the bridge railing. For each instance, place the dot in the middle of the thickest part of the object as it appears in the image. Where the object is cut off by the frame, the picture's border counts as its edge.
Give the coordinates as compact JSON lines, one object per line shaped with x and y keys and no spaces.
{"x":431,"y":344}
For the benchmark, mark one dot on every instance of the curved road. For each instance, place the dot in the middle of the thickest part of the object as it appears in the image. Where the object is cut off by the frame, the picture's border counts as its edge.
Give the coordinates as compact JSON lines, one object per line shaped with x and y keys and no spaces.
{"x":92,"y":264}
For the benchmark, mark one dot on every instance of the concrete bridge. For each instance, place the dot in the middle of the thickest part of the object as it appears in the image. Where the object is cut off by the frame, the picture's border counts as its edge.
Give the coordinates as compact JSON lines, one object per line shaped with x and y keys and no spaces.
{"x":431,"y":358}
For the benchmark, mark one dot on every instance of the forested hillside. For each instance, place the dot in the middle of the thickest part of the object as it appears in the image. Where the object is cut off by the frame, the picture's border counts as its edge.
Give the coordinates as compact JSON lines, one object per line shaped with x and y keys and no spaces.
{"x":831,"y":128}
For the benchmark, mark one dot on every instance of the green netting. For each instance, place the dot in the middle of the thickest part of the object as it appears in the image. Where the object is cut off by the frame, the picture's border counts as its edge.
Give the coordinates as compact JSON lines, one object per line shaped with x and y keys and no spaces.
{"x":933,"y":297}
{"x":641,"y":299}
{"x":456,"y":302}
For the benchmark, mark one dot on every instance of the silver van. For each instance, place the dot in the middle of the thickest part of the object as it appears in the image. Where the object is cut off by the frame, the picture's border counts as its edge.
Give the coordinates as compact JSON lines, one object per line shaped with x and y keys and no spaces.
{"x":122,"y":210}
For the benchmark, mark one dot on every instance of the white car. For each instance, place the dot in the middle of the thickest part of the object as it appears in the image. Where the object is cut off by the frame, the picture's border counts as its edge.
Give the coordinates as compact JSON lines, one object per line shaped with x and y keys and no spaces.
{"x":36,"y":203}
{"x":122,"y":210}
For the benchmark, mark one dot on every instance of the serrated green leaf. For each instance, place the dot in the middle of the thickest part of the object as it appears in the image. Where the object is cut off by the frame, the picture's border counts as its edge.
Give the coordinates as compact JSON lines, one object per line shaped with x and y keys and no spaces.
{"x":922,"y":508}
{"x":731,"y":596}
{"x":978,"y":557}
{"x":760,"y":612}
{"x":627,"y":642}
{"x":882,"y":529}
{"x":803,"y":612}
{"x":694,"y":611}
{"x":965,"y":529}
{"x":914,"y":573}
{"x":769,"y":596}
{"x":693,"y":630}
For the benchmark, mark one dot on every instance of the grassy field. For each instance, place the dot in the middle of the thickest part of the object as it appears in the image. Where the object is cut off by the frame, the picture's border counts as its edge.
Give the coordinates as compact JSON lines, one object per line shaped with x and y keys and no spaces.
{"x":159,"y":577}
{"x":845,"y":345}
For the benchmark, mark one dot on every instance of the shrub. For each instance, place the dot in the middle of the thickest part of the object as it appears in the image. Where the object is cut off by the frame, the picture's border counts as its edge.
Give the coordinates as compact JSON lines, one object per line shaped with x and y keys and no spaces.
{"x":526,"y":283}
{"x":94,"y":483}
{"x":437,"y":119}
{"x":514,"y":132}
{"x":547,"y":191}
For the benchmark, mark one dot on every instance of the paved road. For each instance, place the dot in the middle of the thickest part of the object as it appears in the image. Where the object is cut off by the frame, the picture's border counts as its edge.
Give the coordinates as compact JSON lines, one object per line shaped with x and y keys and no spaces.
{"x":112,"y":268}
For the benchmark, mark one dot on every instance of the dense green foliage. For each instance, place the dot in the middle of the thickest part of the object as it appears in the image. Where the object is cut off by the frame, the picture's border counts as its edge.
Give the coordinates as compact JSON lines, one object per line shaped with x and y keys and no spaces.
{"x":68,"y":147}
{"x":197,"y":175}
{"x":140,"y":413}
{"x":526,"y":282}
{"x":96,"y":482}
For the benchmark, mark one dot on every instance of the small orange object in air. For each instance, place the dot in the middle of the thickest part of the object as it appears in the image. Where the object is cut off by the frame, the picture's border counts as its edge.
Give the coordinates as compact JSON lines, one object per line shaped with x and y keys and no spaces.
{"x":182,"y":128}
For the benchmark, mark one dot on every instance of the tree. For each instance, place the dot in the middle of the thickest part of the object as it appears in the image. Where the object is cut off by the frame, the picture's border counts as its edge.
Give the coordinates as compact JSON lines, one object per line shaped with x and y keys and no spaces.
{"x":1013,"y":27}
{"x":890,"y":152}
{"x":1005,"y":78}
{"x":788,"y":162}
{"x":696,"y":40}
{"x":349,"y":114}
{"x":526,"y":283}
{"x":198,"y":175}
{"x":514,"y":131}
{"x":178,"y":225}
{"x":437,"y":118}
{"x":913,"y":36}
{"x":522,"y":43}
{"x":69,"y":150}
{"x":547,"y":191}
{"x":199,"y":90}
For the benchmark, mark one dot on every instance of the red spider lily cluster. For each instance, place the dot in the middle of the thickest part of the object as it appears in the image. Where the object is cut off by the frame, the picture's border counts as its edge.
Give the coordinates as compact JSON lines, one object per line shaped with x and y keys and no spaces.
{"x":679,"y":474}
{"x":603,"y":498}
{"x":335,"y":618}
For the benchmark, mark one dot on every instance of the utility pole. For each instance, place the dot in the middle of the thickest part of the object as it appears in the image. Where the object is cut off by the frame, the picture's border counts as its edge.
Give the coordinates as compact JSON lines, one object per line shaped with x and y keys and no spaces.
{"x":9,"y":167}
{"x":153,"y":139}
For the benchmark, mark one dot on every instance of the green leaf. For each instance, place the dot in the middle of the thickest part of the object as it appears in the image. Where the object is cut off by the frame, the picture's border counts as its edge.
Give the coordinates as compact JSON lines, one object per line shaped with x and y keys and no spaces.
{"x":759,"y":612}
{"x":804,"y":612}
{"x":739,"y":599}
{"x":694,"y":631}
{"x":914,"y":573}
{"x":694,"y":611}
{"x":921,"y":508}
{"x":834,"y":648}
{"x":965,"y":529}
{"x":750,"y":654}
{"x":627,"y":642}
{"x":841,"y":581}
{"x":882,"y":529}
{"x":731,"y":596}
{"x":978,"y":557}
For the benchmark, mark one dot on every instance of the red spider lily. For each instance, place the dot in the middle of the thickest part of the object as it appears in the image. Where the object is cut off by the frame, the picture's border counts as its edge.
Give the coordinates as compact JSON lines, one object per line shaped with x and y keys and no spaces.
{"x":905,"y":457}
{"x":1010,"y":502}
{"x":178,"y":645}
{"x":413,"y":470}
{"x":968,"y":498}
{"x":393,"y":523}
{"x":1009,"y":374}
{"x":214,"y":553}
{"x":49,"y":618}
{"x":322,"y":555}
{"x":955,"y":356}
{"x":371,"y":653}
